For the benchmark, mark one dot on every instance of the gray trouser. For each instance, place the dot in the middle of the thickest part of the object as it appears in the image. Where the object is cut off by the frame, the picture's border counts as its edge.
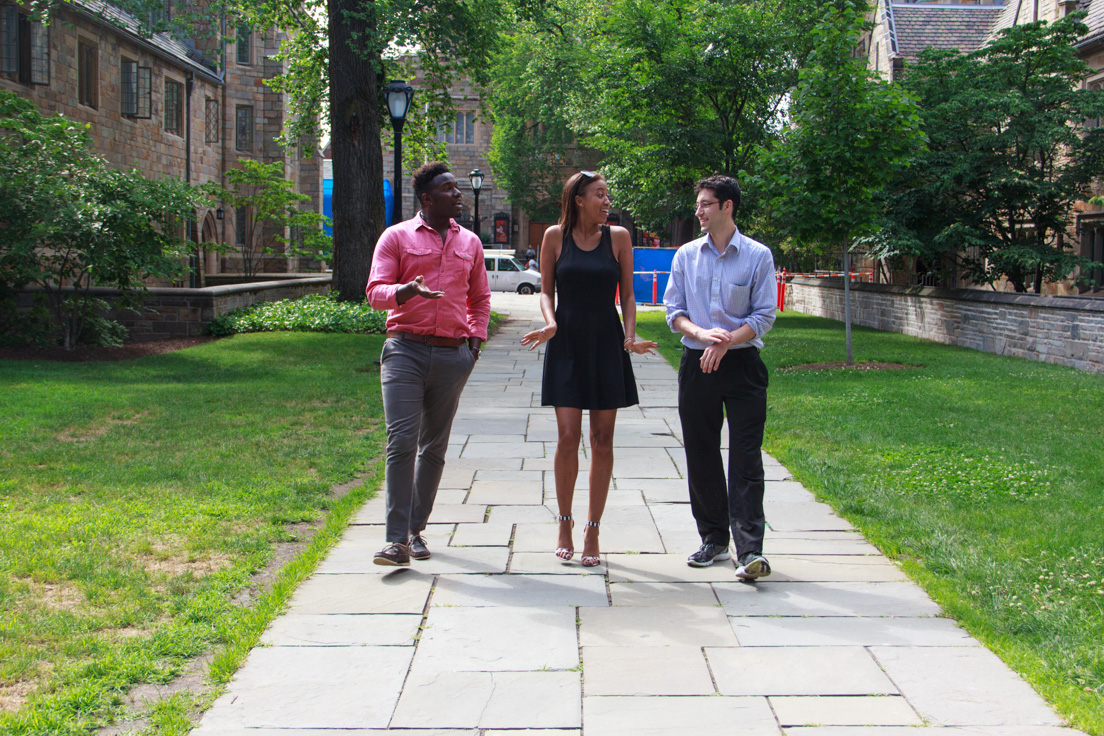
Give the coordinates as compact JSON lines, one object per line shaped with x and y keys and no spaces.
{"x":421,"y":389}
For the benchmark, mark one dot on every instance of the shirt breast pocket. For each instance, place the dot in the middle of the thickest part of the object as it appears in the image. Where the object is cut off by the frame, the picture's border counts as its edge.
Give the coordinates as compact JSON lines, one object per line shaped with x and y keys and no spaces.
{"x":461,"y":265}
{"x":737,"y":299}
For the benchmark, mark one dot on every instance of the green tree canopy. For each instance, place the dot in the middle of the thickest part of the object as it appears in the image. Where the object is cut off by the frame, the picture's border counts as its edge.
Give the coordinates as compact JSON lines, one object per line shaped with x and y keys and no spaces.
{"x":1008,"y":158}
{"x":663,"y":92}
{"x":848,"y":130}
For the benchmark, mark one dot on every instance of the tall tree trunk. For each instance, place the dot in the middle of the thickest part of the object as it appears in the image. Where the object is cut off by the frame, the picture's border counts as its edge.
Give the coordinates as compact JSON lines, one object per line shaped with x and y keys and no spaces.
{"x":358,"y":217}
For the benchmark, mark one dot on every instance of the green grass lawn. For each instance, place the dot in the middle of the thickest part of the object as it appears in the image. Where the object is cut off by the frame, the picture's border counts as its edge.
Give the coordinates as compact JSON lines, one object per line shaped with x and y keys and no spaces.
{"x":137,"y":500}
{"x":982,"y":474}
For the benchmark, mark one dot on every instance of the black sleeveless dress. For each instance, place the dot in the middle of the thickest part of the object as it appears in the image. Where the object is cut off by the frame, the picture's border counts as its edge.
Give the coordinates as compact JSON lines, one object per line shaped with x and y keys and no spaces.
{"x":585,"y":363}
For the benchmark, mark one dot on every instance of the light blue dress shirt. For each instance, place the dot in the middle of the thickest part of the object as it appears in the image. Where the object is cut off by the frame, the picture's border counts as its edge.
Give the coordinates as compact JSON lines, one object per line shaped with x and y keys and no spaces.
{"x":723,"y":289}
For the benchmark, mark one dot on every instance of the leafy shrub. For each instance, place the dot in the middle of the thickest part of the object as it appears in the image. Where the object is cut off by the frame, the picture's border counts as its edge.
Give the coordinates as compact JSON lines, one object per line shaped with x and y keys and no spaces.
{"x":312,"y":313}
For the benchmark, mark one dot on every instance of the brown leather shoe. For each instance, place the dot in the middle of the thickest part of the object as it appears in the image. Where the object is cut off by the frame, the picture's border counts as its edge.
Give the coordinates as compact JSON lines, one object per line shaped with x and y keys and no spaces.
{"x":395,"y":554}
{"x":419,"y":550}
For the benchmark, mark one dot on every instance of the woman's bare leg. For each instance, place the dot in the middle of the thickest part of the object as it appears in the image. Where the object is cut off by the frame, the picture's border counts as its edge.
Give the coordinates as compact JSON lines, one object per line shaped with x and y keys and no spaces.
{"x":602,"y":423}
{"x":569,"y":424}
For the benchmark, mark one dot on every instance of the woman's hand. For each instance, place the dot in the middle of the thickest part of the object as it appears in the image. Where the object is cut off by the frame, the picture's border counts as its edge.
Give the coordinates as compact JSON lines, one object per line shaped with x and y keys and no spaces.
{"x":539,"y":337}
{"x":640,"y":347}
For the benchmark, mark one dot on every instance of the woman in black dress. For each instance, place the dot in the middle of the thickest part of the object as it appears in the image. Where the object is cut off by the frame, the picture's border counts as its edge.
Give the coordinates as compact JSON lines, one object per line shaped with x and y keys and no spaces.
{"x":586,"y":362}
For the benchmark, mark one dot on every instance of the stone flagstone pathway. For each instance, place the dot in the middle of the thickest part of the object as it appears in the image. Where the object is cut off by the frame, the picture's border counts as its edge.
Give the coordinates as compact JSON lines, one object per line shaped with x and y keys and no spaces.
{"x":493,"y":636}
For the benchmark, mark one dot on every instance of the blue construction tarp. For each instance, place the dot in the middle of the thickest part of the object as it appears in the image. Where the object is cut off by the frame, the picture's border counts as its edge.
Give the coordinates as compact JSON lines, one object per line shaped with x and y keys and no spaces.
{"x":649,"y":262}
{"x":327,"y":202}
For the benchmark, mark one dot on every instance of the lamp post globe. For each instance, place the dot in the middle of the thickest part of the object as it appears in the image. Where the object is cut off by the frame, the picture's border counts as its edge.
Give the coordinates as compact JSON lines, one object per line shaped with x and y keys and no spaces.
{"x":476,"y":178}
{"x":398,"y":95}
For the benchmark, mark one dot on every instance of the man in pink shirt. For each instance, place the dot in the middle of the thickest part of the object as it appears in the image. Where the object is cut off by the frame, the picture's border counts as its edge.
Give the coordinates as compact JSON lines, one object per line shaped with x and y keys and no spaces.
{"x":428,"y":273}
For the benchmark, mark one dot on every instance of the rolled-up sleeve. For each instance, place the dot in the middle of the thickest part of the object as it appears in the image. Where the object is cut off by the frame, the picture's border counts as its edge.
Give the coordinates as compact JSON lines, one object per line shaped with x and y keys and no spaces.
{"x":479,"y":298}
{"x":384,"y":277}
{"x":674,"y":296}
{"x":764,"y":296}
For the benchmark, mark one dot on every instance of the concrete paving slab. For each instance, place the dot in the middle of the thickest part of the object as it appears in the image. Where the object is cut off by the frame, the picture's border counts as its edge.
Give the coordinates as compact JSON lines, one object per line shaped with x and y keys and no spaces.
{"x":664,"y":716}
{"x":511,"y":476}
{"x":657,"y":491}
{"x":818,"y":543}
{"x":666,"y":568}
{"x":520,"y":515}
{"x":646,"y":670}
{"x":504,"y":449}
{"x":826,"y":599}
{"x":775,"y":472}
{"x":931,"y":731}
{"x":850,"y":631}
{"x":490,"y":700}
{"x":313,"y":687}
{"x":202,"y":731}
{"x":451,"y":496}
{"x":347,"y":559}
{"x":832,"y":569}
{"x":644,"y":463}
{"x":497,"y":639}
{"x":482,"y":535}
{"x":521,"y":590}
{"x":373,"y":537}
{"x":342,"y":630}
{"x":808,"y":516}
{"x":656,"y":626}
{"x":353,"y":594}
{"x":792,"y":671}
{"x":504,"y":492}
{"x":844,"y":711}
{"x":786,"y":491}
{"x":662,"y":594}
{"x":546,"y":563}
{"x":625,"y":528}
{"x":982,"y":691}
{"x":509,"y":439}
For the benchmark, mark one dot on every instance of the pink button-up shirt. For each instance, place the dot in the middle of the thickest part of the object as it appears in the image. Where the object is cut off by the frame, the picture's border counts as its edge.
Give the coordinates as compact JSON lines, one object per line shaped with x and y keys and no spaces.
{"x":412,"y":248}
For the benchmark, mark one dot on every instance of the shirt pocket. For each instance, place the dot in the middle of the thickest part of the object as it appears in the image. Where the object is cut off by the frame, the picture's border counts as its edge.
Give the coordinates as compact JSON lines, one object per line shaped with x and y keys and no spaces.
{"x":737,"y":299}
{"x":460,"y":266}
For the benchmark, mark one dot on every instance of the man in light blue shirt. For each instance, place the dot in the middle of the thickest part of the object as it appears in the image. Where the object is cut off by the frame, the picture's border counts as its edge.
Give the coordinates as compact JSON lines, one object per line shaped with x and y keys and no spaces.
{"x":721,"y":296}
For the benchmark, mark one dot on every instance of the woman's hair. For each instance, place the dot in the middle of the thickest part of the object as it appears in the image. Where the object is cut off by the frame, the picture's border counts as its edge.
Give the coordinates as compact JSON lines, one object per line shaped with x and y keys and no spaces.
{"x":574,"y":187}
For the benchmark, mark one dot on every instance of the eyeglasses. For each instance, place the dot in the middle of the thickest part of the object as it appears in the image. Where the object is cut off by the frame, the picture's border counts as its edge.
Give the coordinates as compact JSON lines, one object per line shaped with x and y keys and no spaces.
{"x":702,"y":206}
{"x":590,"y":174}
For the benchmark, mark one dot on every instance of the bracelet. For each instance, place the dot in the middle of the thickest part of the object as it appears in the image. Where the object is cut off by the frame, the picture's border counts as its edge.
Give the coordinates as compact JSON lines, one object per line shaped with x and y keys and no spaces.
{"x":630,"y":339}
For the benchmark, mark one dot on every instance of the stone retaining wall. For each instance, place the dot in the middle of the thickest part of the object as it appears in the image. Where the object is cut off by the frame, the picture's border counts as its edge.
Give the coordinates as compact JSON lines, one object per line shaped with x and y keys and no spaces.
{"x":170,"y":312}
{"x":1064,"y":330}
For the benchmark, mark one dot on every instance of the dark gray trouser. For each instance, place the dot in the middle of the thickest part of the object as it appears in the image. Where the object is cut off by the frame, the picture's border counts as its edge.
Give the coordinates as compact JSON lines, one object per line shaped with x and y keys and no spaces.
{"x":421,"y":390}
{"x":738,"y":388}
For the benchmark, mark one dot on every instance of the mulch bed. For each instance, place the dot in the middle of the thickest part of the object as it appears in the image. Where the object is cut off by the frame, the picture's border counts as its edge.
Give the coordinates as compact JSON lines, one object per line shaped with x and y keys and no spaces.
{"x":86,"y":353}
{"x":863,"y":366}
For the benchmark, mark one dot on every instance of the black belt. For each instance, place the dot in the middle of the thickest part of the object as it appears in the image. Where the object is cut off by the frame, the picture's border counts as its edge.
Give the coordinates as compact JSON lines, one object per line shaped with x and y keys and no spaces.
{"x":431,"y":340}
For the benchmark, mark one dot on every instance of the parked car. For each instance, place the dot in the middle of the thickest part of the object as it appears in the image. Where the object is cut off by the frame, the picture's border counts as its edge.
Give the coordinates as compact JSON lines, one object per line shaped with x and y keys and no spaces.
{"x":506,"y":273}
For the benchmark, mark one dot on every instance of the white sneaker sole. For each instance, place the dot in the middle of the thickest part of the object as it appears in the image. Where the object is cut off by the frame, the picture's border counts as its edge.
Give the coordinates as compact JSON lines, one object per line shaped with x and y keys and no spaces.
{"x":719,"y":557}
{"x":755,"y":569}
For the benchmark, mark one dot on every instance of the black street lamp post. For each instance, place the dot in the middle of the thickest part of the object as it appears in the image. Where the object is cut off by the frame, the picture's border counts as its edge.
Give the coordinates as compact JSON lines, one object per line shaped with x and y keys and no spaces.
{"x":398,"y":95}
{"x":476,"y":178}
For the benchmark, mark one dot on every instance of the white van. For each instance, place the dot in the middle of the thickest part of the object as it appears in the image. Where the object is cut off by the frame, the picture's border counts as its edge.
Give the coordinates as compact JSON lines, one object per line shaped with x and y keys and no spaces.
{"x":506,"y":273}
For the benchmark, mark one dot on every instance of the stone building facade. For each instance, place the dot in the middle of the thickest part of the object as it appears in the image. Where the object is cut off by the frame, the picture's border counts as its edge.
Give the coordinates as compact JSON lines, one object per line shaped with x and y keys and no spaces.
{"x":166,"y":106}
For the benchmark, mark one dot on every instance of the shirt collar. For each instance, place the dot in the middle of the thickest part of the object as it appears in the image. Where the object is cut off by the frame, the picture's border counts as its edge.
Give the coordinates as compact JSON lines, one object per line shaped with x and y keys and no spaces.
{"x":420,"y":219}
{"x":734,"y":243}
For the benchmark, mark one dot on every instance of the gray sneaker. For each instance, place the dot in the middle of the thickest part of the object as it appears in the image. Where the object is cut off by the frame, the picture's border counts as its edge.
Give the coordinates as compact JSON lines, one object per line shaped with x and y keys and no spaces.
{"x":395,"y":554}
{"x":707,"y":554}
{"x":419,"y":550}
{"x":751,"y":566}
